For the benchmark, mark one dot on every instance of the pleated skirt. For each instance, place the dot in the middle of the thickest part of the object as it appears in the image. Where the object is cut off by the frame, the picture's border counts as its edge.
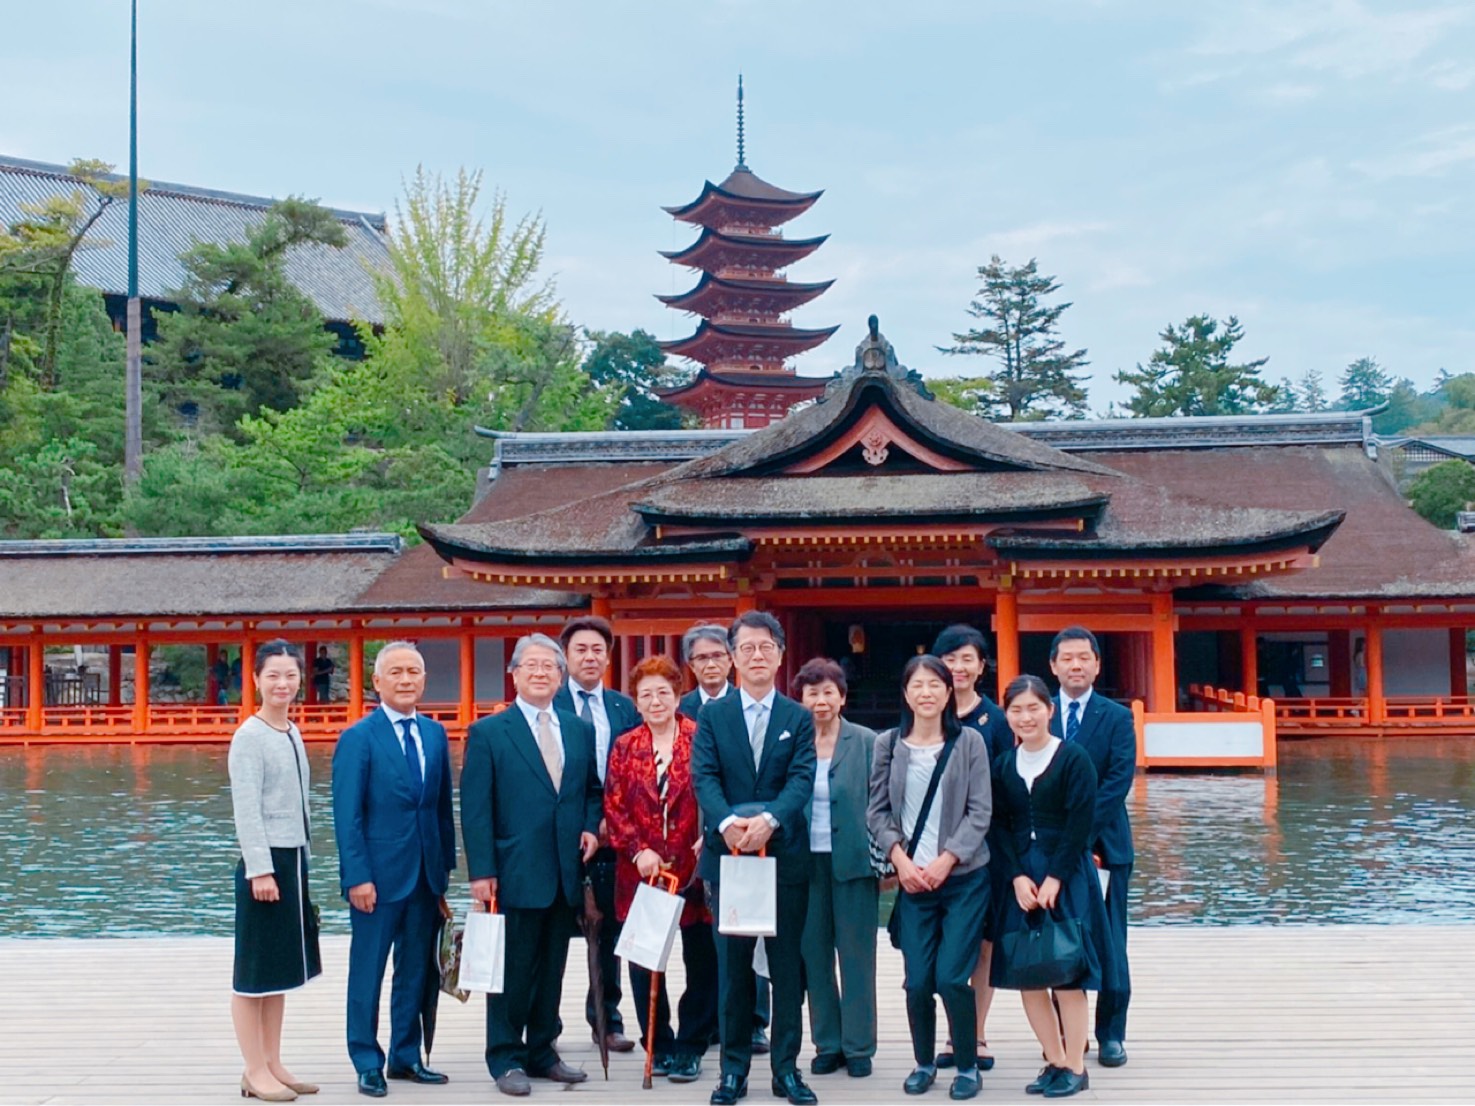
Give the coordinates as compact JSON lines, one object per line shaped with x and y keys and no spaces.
{"x":276,"y":942}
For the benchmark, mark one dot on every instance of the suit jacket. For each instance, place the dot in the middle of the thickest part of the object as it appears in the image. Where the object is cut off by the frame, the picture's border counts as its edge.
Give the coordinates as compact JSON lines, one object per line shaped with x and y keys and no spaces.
{"x":850,"y":782}
{"x":723,"y":776}
{"x":964,"y":798}
{"x":623,"y":716}
{"x":1109,"y":735}
{"x":386,"y":833}
{"x":691,"y":702}
{"x":515,"y":827}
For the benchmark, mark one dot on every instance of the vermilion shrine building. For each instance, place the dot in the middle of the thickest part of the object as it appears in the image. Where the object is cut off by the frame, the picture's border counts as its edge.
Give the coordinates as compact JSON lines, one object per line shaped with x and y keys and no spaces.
{"x":1264,"y":554}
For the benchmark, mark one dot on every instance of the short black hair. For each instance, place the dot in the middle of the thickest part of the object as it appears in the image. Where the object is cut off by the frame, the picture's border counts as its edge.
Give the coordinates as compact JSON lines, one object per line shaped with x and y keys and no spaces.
{"x":1027,"y":685}
{"x":755,"y":620}
{"x":1074,"y":633}
{"x":959,"y":636}
{"x":593,"y":622}
{"x":951,"y":727}
{"x":816,"y":671}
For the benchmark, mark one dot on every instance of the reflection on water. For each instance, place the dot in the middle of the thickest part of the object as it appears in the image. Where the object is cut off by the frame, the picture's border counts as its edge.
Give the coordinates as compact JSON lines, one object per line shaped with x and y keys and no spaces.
{"x":115,"y":840}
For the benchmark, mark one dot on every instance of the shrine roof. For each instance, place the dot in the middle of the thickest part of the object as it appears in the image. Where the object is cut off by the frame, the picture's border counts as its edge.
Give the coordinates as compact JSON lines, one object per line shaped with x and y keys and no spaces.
{"x":747,"y":382}
{"x":742,"y":184}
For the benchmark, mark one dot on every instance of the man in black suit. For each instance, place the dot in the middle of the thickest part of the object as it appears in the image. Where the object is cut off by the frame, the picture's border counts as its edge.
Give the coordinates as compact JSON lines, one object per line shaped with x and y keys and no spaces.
{"x":588,"y":643}
{"x":756,"y":748}
{"x":1106,"y":731}
{"x":530,"y":808}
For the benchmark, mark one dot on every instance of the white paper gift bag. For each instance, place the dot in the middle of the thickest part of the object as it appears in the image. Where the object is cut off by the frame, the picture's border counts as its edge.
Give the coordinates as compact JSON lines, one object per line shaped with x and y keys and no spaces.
{"x":483,"y":952}
{"x":650,"y":927}
{"x":748,"y":898}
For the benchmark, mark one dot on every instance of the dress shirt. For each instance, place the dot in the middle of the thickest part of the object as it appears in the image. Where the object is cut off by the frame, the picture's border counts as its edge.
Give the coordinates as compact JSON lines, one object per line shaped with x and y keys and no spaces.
{"x":708,"y":698}
{"x":601,"y":720}
{"x":395,"y":718}
{"x":749,"y":716}
{"x":1065,"y":701}
{"x":531,"y":713}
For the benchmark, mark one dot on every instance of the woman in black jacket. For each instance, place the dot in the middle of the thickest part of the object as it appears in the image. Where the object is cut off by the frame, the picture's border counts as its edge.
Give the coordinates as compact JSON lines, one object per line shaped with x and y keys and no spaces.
{"x":1044,"y":802}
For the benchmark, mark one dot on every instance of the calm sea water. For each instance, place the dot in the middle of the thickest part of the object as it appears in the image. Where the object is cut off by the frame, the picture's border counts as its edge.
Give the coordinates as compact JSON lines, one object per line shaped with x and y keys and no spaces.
{"x":118,"y":841}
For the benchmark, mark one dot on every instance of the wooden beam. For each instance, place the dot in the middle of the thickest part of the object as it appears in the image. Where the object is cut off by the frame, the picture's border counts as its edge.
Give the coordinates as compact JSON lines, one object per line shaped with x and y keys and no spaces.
{"x":141,"y":685}
{"x":1006,"y":636}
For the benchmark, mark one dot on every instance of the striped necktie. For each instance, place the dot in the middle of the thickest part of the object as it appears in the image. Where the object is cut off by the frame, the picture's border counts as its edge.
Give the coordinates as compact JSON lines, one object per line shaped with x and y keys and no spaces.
{"x":1072,"y":719}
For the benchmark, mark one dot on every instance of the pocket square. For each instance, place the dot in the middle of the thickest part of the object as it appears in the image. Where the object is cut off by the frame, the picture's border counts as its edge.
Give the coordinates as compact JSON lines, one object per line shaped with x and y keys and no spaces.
{"x":785,"y":736}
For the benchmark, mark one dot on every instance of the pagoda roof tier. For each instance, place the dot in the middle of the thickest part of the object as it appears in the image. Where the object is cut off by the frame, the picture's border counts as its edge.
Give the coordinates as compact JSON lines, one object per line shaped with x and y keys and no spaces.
{"x":798,"y":388}
{"x":714,"y":294}
{"x":746,"y":342}
{"x":716,"y":250}
{"x":744,"y":197}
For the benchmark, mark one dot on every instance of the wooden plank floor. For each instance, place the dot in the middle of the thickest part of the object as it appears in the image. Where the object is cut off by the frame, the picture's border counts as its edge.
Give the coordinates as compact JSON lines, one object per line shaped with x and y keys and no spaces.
{"x":1249,"y":1014}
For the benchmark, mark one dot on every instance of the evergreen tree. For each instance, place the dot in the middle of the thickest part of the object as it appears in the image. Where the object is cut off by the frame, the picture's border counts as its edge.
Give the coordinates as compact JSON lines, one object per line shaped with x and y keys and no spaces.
{"x":1037,"y":377}
{"x":1442,"y":490}
{"x":1192,"y":374}
{"x":1365,"y":384}
{"x":973,"y":394}
{"x":1311,"y":392}
{"x":634,"y":365}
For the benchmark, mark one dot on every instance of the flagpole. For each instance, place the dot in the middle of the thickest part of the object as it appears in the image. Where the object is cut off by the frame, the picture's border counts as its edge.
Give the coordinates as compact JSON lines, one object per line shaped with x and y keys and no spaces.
{"x":133,"y":390}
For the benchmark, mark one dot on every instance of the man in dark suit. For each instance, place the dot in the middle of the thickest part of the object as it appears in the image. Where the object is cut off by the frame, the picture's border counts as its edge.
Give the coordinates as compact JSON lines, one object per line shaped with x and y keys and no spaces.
{"x":530,"y":809}
{"x":1106,"y":731}
{"x":588,"y":644}
{"x":396,"y":849}
{"x":756,"y":748}
{"x":704,"y":651}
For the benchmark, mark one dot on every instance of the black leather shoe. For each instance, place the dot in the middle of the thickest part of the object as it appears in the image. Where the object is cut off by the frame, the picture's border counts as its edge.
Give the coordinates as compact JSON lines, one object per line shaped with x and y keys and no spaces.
{"x":514,"y":1081}
{"x":1043,"y":1080}
{"x":1067,"y":1083}
{"x":965,"y":1086}
{"x":561,"y":1073}
{"x":792,"y":1087}
{"x":1111,"y":1054}
{"x":760,"y":1042}
{"x":684,"y":1068}
{"x":826,"y":1063}
{"x":730,"y":1088}
{"x":418,"y":1073}
{"x":919,"y":1081}
{"x":371,"y":1083}
{"x":945,"y":1060}
{"x":858,"y":1067}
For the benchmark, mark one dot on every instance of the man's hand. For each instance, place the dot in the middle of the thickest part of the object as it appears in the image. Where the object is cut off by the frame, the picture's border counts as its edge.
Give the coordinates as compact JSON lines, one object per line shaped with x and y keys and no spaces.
{"x":588,"y":846}
{"x":937,"y":871}
{"x":1049,"y":893}
{"x":735,"y":832}
{"x":264,"y":889}
{"x":760,"y":829}
{"x":483,"y":891}
{"x":445,"y":910}
{"x":363,"y":897}
{"x":1026,"y":892}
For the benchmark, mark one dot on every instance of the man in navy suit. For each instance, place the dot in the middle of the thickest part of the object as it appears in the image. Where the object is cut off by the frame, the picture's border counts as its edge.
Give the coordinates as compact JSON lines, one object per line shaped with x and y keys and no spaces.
{"x":588,"y":644}
{"x":396,"y":849}
{"x":1106,"y":731}
{"x":530,"y":809}
{"x":704,"y":651}
{"x":756,"y":749}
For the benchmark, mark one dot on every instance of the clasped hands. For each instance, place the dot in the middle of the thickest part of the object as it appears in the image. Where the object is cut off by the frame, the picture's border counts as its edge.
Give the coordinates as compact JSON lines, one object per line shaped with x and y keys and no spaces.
{"x":748,"y":835}
{"x":915,"y":880}
{"x":1032,"y":897}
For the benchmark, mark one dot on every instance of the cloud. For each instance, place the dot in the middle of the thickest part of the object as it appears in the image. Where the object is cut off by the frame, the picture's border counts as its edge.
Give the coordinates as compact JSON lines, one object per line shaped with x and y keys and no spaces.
{"x":1428,"y":155}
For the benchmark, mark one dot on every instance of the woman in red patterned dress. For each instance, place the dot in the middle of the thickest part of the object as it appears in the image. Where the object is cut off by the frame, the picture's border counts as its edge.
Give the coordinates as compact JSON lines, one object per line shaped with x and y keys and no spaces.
{"x":655,"y":826}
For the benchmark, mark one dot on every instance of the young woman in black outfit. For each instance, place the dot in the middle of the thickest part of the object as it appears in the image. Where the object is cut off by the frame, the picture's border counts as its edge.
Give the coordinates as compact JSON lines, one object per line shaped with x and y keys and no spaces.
{"x":1044,"y":801}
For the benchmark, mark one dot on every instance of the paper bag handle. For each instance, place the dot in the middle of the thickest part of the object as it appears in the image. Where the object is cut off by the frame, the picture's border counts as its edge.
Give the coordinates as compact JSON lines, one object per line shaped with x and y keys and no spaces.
{"x":667,"y":878}
{"x":761,"y":852}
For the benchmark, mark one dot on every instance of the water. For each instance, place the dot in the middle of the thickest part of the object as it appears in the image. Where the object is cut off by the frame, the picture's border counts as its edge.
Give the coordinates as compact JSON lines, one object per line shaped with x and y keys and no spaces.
{"x":115,"y":840}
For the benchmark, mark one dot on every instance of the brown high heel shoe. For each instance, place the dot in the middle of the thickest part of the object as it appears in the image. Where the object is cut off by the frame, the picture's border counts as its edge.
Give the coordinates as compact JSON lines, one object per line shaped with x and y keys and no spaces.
{"x":286,"y":1094}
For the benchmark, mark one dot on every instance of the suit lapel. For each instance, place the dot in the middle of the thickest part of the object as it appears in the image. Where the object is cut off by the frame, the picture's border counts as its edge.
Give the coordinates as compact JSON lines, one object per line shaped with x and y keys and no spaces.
{"x":526,"y":744}
{"x":778,"y":725}
{"x":573,"y":759}
{"x":1089,"y":719}
{"x":737,"y":734}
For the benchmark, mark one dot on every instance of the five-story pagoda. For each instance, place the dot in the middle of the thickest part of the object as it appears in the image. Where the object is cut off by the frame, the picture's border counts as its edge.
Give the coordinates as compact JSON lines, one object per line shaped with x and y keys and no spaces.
{"x":745,"y":339}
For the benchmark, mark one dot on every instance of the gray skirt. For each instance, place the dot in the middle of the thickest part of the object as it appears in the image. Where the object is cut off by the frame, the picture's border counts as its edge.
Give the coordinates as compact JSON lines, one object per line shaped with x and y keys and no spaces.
{"x":276,"y":942}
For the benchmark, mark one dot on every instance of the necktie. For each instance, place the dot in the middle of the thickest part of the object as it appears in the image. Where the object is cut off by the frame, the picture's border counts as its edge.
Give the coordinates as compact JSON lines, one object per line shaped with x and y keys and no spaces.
{"x":586,"y":709}
{"x":1072,"y":719}
{"x":760,"y":731}
{"x":548,"y":746}
{"x":412,"y":757}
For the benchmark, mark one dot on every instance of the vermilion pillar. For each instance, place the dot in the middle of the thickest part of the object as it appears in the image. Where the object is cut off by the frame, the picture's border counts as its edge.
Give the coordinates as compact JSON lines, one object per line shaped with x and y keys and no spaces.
{"x":141,"y":686}
{"x":35,"y":684}
{"x":115,"y":675}
{"x":1006,"y":636}
{"x":248,"y":678}
{"x":1377,"y":708}
{"x":467,"y":708}
{"x":355,"y":678}
{"x":1164,"y":664}
{"x":1457,"y":681}
{"x":1249,"y":660}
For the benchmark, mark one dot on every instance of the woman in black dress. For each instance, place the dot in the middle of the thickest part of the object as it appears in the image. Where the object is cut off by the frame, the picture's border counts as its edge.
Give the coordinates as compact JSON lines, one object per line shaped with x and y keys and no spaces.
{"x":1044,"y":803}
{"x":276,"y":926}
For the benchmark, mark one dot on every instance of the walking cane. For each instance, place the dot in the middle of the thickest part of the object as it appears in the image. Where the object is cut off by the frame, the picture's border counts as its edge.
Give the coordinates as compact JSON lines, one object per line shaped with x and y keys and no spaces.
{"x":655,"y":983}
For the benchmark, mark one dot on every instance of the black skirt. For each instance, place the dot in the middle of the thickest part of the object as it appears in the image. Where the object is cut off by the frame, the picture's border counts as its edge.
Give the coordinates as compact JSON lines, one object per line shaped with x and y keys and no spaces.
{"x":1080,"y":897}
{"x":276,"y":942}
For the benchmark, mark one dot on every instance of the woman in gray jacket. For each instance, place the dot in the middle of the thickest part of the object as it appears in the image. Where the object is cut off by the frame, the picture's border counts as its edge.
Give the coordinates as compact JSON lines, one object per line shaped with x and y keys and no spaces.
{"x":276,"y":925}
{"x":843,"y":889}
{"x":929,"y":811}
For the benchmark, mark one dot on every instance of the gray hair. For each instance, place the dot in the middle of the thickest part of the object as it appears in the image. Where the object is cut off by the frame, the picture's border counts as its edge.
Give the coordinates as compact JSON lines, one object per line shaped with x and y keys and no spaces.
{"x":395,"y":646}
{"x":546,"y":642}
{"x":702,"y":631}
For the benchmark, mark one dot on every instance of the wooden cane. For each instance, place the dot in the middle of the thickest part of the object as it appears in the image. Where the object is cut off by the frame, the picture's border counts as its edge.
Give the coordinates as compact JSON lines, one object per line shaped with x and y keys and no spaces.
{"x":655,"y":982}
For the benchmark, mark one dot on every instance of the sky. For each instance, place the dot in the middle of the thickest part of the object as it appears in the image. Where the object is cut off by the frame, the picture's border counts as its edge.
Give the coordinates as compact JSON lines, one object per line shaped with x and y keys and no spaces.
{"x":1305,"y":165}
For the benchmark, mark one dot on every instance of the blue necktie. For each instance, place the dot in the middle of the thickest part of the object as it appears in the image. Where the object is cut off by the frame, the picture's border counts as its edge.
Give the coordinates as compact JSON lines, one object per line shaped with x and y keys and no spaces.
{"x":1072,"y":719}
{"x":412,"y":757}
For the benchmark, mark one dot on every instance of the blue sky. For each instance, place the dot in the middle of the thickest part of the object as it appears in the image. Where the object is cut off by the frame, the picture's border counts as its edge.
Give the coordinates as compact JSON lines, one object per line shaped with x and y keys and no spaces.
{"x":1304,"y":164}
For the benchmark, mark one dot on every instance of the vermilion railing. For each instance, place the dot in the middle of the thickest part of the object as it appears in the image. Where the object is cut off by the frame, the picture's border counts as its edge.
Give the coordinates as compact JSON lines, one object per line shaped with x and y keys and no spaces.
{"x":87,"y":717}
{"x":1454,"y":712}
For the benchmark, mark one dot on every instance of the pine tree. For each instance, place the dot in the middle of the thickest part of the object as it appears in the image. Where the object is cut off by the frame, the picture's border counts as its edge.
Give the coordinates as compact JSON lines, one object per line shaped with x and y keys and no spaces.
{"x":1311,"y":393}
{"x":1192,"y":374}
{"x":1365,"y":384}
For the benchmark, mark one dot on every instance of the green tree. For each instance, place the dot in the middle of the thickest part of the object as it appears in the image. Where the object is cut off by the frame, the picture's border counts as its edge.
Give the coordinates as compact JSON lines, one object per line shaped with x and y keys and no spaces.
{"x":634,"y":365}
{"x":245,"y":339}
{"x":1364,"y":384}
{"x":1408,"y":407}
{"x":1036,"y":378}
{"x":1311,"y":392}
{"x":973,"y":394}
{"x":1192,"y":373}
{"x":1442,"y":490}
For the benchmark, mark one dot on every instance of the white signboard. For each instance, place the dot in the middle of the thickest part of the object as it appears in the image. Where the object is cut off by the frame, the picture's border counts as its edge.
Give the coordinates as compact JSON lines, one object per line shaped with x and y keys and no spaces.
{"x":1206,"y":740}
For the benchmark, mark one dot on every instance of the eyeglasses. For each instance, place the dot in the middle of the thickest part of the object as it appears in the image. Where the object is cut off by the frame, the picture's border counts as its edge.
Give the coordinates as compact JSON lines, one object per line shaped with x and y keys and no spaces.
{"x":767,"y":648}
{"x":703,"y":659}
{"x":537,"y":668}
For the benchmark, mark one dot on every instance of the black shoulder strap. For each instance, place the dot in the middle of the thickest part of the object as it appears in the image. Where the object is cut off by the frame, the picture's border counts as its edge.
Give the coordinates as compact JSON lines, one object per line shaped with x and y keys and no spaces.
{"x":932,"y":784}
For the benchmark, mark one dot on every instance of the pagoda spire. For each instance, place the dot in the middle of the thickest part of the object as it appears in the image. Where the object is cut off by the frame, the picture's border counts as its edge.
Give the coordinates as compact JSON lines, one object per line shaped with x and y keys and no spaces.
{"x":741,"y":164}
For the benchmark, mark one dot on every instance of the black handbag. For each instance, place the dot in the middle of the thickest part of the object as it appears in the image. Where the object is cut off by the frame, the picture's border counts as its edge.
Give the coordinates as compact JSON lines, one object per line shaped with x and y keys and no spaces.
{"x":893,"y":923}
{"x":1047,"y":951}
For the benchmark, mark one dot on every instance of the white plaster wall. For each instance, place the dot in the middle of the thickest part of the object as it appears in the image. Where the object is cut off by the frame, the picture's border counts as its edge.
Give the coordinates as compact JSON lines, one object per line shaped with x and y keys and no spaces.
{"x":1416,"y":662}
{"x":443,"y":669}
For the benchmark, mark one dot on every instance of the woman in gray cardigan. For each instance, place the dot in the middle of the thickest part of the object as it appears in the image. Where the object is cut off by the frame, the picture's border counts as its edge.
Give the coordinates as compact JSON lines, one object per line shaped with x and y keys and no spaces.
{"x":276,"y":926}
{"x":930,"y":801}
{"x":843,"y":889}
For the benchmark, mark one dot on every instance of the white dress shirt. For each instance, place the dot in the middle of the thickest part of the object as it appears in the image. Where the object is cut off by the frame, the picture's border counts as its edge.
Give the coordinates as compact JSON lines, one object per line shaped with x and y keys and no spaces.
{"x":602,"y":735}
{"x":531,"y":713}
{"x":395,"y":718}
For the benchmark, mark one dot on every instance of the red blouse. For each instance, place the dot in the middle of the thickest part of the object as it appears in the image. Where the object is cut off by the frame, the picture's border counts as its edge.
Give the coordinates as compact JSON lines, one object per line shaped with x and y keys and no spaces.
{"x":636,"y":820}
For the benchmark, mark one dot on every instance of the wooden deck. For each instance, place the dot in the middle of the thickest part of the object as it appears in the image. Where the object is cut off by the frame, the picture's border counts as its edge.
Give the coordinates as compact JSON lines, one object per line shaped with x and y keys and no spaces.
{"x":1251,"y":1014}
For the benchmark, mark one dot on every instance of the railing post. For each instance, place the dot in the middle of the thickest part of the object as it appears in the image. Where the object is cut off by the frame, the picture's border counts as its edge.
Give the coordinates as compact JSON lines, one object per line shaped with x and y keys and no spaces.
{"x":1267,"y":724}
{"x":1139,"y":723}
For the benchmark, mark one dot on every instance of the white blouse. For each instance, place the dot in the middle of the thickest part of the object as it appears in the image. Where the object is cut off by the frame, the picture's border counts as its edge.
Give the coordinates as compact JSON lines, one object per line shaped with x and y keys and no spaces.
{"x":920,"y":764}
{"x":819,"y":822}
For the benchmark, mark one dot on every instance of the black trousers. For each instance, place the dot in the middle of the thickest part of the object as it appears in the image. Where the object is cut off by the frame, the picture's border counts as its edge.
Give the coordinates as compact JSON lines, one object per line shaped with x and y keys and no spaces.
{"x":737,"y":985}
{"x":940,"y":932}
{"x":522,"y":1022}
{"x":601,"y":872}
{"x":1116,"y":989}
{"x":697,"y":1010}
